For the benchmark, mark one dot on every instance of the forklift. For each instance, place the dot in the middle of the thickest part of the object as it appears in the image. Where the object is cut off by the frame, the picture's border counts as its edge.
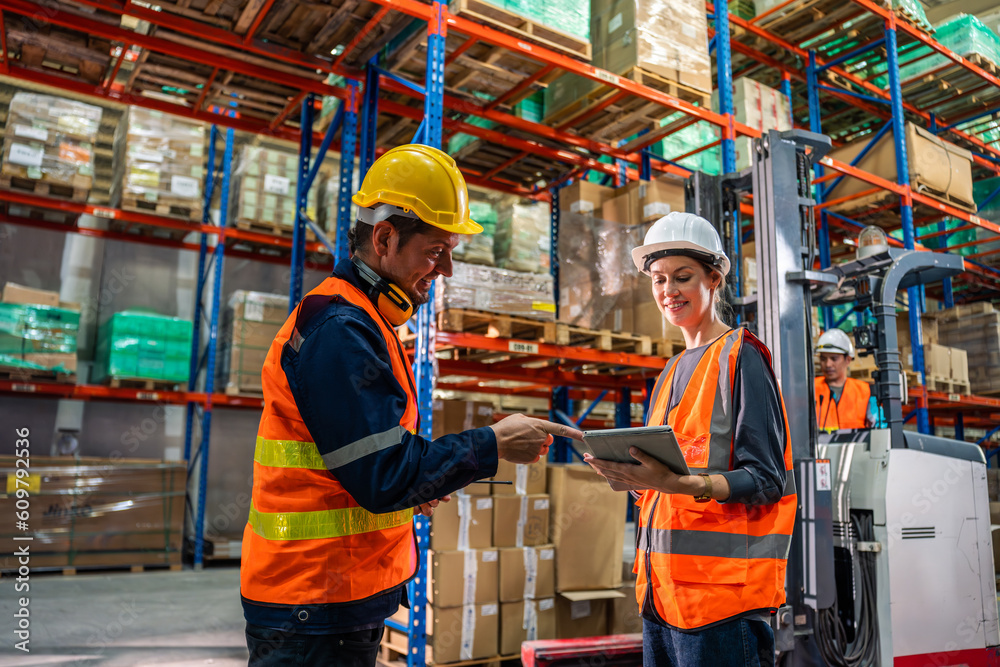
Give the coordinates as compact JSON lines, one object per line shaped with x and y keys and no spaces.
{"x":891,"y":562}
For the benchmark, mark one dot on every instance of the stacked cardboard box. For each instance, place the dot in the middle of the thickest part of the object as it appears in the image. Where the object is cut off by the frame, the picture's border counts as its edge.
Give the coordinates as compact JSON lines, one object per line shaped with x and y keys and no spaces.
{"x":456,"y":416}
{"x":141,"y":345}
{"x":523,"y":238}
{"x":161,"y":164}
{"x":37,"y":331}
{"x":478,"y":248}
{"x":50,"y":140}
{"x":94,"y":513}
{"x":250,"y":323}
{"x":759,"y":106}
{"x":938,"y":169}
{"x":497,"y":290}
{"x":588,"y":529}
{"x":974,"y":328}
{"x":265,"y":179}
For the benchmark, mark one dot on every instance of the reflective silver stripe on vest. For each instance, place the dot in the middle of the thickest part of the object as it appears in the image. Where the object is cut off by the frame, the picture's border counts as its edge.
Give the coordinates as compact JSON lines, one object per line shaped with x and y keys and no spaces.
{"x":296,"y":340}
{"x":660,"y":381}
{"x":363,"y":447}
{"x":713,"y":544}
{"x":721,"y":429}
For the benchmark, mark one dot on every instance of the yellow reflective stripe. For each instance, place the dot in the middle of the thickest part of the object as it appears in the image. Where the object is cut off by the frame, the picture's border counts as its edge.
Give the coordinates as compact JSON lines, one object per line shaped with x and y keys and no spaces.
{"x":323,"y":524}
{"x":288,"y":454}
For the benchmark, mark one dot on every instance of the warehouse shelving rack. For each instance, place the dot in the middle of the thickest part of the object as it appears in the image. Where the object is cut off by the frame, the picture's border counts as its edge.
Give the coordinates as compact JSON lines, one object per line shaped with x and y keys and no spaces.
{"x":438,"y":111}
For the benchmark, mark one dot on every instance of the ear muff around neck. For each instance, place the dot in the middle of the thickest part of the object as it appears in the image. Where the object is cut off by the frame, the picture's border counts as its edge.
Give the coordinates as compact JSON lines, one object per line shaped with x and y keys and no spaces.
{"x":390,"y":299}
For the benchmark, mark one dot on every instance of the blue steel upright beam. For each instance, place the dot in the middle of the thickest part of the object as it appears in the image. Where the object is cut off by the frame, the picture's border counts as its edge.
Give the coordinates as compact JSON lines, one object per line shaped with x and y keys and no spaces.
{"x":423,"y":360}
{"x":298,"y":258}
{"x":213,"y":337}
{"x":816,"y":125}
{"x":202,"y":256}
{"x":554,"y":214}
{"x":348,"y":135}
{"x":949,"y":292}
{"x":906,"y":211}
{"x":369,"y":119}
{"x":724,"y":59}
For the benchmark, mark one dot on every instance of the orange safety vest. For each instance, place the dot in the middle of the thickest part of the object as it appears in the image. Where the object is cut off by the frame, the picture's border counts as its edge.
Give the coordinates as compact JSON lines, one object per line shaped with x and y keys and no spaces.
{"x":307,"y":541}
{"x":701,"y":564}
{"x":849,"y":412}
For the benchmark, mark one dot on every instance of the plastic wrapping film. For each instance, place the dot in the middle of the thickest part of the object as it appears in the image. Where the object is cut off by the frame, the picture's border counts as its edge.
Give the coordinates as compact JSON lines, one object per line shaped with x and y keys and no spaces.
{"x":990,"y":211}
{"x":50,"y":139}
{"x":666,"y":38}
{"x":688,"y":139}
{"x":478,"y":248}
{"x":597,"y":279}
{"x":249,"y":325}
{"x":143,"y":345}
{"x":761,"y":107}
{"x":266,"y":178}
{"x":523,"y":237}
{"x":164,"y":160}
{"x":497,"y":291}
{"x":96,"y":511}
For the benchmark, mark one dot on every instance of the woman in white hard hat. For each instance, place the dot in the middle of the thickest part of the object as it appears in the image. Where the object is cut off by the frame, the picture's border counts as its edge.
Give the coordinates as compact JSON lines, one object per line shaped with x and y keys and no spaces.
{"x":841,"y":401}
{"x":712,"y":546}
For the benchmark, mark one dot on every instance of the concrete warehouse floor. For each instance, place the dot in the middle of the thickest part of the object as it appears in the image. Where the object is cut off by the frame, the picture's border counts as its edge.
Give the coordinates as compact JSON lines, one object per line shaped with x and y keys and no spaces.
{"x":169,"y":619}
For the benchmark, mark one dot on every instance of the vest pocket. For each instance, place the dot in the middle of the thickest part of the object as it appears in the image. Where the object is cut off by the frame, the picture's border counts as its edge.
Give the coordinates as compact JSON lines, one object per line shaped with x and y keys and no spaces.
{"x":709,"y":546}
{"x":695,"y":448}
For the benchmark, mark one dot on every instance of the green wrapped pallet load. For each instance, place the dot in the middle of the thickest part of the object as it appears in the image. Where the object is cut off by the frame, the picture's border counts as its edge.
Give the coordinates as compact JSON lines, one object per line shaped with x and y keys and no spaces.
{"x":523,"y":237}
{"x":478,"y":248}
{"x":136,"y":344}
{"x":38,"y":337}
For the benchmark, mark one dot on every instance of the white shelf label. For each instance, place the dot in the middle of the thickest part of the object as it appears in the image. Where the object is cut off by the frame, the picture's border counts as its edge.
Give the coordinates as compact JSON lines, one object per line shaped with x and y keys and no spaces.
{"x":523,"y":348}
{"x":184,"y":186}
{"x":31,"y":132}
{"x":276,"y":185}
{"x":98,"y":212}
{"x":25,"y":155}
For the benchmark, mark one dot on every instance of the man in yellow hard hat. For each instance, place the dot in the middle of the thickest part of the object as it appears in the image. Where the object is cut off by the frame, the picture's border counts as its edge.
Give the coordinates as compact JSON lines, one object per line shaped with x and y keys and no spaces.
{"x":338,"y":466}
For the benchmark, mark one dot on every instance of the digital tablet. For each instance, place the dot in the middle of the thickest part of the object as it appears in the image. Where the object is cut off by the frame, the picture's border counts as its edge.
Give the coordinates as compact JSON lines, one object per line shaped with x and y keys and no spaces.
{"x":657,"y":441}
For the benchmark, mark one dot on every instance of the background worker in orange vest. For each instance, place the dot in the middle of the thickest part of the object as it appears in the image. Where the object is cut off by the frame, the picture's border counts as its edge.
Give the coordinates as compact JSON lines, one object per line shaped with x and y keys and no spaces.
{"x":712,"y":545}
{"x":338,"y":466}
{"x":841,"y":402}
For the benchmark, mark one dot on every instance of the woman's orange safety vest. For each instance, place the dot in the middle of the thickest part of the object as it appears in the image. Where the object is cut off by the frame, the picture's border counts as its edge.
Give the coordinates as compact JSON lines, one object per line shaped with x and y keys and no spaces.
{"x":849,"y":412}
{"x":307,"y":541}
{"x":704,"y":563}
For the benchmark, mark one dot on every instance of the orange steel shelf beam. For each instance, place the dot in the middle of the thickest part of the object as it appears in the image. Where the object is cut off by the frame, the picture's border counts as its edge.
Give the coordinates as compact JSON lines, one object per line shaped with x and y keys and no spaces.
{"x":85,"y":392}
{"x":447,"y":339}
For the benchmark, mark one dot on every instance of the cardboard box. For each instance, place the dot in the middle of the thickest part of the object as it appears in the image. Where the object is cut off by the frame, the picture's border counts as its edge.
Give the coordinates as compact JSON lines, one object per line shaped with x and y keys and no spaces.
{"x":994,"y":513}
{"x":463,"y":633}
{"x":928,"y":329}
{"x":623,"y":615}
{"x":14,"y":293}
{"x":457,"y":416}
{"x":464,"y":523}
{"x":647,"y":320}
{"x":520,"y":521}
{"x":759,"y":106}
{"x":526,"y":620}
{"x":584,"y":197}
{"x":583,"y":613}
{"x":993,"y":484}
{"x":516,"y":563}
{"x":959,"y":364}
{"x":529,"y":479}
{"x":937,"y":360}
{"x":937,"y":169}
{"x":642,"y":202}
{"x":588,"y":529}
{"x":67,"y":360}
{"x":478,"y":583}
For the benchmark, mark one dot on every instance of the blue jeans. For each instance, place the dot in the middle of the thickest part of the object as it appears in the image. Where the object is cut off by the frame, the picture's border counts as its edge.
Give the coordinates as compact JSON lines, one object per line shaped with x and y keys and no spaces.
{"x":286,"y":648}
{"x":739,"y":643}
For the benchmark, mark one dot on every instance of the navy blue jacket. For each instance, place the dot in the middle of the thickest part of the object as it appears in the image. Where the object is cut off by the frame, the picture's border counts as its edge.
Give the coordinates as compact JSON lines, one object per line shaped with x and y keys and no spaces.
{"x":352,"y":404}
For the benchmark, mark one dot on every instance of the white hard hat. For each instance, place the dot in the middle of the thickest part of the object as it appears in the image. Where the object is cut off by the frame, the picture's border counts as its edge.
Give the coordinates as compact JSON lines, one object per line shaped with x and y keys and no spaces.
{"x":680,"y":233}
{"x":836,"y":341}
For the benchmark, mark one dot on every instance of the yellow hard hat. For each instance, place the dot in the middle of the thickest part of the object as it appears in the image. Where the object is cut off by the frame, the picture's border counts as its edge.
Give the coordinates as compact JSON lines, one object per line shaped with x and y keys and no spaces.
{"x":419,"y":180}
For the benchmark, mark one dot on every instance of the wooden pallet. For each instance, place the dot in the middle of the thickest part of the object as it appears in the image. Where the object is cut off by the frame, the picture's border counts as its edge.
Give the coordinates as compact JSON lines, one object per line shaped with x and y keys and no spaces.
{"x":509,"y":163}
{"x":42,"y":46}
{"x":223,"y":549}
{"x":523,"y":28}
{"x":272,"y":229}
{"x":91,"y":562}
{"x":17,"y":374}
{"x":244,"y":391}
{"x":393,"y":651}
{"x":882,"y":209}
{"x":606,"y":340}
{"x":142,"y":383}
{"x":44,"y":188}
{"x":947,"y":385}
{"x":601,"y":115}
{"x":494,"y":325}
{"x":171,"y":208}
{"x":139,"y":229}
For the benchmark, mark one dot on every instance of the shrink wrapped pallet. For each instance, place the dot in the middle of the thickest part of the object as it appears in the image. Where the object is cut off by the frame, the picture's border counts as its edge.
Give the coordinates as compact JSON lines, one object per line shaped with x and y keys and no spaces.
{"x":50,"y":140}
{"x":523,"y":237}
{"x":250,"y":323}
{"x":497,"y":290}
{"x":140,"y":345}
{"x":95,"y":512}
{"x":478,"y":248}
{"x":265,"y":181}
{"x":161,"y":163}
